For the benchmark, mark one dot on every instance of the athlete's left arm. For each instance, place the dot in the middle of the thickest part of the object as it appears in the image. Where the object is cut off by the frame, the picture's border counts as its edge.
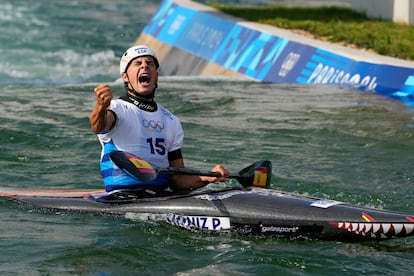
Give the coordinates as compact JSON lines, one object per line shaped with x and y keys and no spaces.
{"x":187,"y":183}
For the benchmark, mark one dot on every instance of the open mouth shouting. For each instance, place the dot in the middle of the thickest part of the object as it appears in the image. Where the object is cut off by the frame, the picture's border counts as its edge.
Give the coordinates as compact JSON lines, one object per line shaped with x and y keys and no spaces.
{"x":144,"y":79}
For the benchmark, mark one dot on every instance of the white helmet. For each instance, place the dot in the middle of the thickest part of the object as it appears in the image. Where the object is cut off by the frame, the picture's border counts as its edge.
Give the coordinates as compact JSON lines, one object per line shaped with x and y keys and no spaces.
{"x":134,"y":52}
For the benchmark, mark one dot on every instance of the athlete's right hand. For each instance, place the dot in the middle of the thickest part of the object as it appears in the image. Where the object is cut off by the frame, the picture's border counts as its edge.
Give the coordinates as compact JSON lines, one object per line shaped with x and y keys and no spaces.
{"x":103,"y":95}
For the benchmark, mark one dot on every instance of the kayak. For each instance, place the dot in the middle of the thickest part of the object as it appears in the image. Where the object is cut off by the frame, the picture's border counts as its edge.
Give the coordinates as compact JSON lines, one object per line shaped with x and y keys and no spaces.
{"x":251,"y":209}
{"x":246,"y":211}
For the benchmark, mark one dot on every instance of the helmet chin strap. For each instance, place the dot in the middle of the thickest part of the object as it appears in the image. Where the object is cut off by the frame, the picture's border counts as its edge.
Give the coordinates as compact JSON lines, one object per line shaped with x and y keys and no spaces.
{"x":137,"y":94}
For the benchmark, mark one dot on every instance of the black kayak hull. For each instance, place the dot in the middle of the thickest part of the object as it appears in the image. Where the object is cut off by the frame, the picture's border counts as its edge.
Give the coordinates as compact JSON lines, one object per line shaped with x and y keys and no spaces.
{"x":252,"y":212}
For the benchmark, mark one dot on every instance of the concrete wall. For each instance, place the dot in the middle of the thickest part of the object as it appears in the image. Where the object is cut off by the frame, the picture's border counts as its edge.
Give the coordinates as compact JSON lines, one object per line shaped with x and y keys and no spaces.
{"x":401,"y":11}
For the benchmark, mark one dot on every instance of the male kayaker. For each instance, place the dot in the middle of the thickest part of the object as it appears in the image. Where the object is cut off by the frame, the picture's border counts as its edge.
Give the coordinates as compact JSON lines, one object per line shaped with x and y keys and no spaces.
{"x":137,"y":124}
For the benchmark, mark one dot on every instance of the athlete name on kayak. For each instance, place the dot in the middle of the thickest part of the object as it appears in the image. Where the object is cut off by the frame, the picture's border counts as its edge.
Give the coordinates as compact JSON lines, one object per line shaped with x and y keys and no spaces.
{"x":199,"y":222}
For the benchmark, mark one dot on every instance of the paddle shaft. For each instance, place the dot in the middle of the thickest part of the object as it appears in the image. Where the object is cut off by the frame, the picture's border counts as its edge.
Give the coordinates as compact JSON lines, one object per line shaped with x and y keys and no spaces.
{"x":186,"y":171}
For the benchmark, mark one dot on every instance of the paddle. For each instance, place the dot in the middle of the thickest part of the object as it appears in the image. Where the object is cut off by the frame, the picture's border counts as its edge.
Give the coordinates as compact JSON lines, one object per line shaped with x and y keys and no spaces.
{"x":255,"y":175}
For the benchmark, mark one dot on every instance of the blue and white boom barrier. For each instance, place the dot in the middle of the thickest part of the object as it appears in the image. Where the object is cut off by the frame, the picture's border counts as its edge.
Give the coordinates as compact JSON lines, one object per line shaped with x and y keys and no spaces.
{"x":193,"y":39}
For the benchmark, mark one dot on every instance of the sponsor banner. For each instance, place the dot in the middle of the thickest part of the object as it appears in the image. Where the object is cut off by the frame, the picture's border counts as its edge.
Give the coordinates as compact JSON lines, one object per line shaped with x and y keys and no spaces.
{"x":324,"y":67}
{"x":249,"y":52}
{"x":167,"y":23}
{"x":270,"y":58}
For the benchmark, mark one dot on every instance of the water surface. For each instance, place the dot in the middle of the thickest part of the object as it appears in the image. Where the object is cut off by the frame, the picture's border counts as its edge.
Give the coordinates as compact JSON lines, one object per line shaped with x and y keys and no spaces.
{"x":323,"y":141}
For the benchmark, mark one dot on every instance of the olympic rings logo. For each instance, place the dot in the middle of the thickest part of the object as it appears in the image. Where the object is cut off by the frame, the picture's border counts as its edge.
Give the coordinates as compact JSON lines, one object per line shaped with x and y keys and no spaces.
{"x":157,"y":126}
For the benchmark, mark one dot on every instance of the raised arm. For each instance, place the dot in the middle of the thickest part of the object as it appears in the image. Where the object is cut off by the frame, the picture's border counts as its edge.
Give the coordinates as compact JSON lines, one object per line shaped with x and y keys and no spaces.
{"x":101,"y":117}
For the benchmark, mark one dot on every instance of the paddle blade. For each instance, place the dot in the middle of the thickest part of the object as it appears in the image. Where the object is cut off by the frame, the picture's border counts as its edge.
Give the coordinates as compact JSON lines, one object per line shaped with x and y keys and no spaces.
{"x":256,"y":175}
{"x":133,"y":165}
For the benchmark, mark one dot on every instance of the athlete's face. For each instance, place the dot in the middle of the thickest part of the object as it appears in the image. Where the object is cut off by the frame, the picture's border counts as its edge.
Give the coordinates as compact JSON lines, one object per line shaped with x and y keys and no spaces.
{"x":142,"y":75}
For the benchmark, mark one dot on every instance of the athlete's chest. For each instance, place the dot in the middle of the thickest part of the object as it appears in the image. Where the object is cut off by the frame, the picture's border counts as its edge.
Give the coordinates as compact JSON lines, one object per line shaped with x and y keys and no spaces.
{"x":146,"y":122}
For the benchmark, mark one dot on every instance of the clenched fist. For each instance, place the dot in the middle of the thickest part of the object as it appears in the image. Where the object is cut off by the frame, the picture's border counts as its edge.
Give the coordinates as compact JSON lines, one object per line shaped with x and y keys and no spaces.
{"x":103,"y":95}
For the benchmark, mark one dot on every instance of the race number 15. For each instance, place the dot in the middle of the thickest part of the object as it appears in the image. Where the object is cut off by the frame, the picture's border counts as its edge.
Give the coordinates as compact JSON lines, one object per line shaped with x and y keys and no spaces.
{"x":157,"y":145}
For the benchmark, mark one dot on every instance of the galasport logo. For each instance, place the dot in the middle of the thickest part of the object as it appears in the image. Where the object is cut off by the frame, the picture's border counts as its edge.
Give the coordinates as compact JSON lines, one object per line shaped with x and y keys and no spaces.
{"x":157,"y":126}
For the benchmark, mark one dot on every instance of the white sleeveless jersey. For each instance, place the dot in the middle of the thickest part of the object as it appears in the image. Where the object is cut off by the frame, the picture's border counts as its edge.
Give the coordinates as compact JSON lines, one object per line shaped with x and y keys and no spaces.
{"x":149,"y":135}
